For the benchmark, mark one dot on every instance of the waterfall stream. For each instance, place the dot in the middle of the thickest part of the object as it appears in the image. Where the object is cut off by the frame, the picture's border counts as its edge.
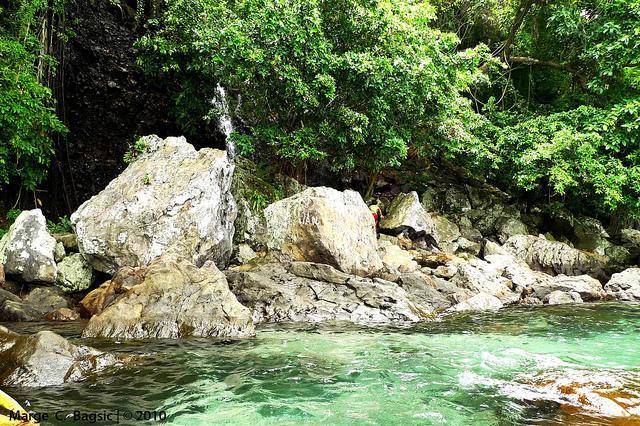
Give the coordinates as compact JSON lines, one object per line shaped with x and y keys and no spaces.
{"x":225,"y":125}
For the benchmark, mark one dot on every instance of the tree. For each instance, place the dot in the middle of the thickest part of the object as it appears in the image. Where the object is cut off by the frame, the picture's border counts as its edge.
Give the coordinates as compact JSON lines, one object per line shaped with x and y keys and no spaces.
{"x":352,"y":84}
{"x":27,"y":116}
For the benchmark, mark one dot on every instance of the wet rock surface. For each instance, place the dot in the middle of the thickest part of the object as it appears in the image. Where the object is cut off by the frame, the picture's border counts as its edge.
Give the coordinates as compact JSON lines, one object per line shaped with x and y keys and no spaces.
{"x":47,"y":359}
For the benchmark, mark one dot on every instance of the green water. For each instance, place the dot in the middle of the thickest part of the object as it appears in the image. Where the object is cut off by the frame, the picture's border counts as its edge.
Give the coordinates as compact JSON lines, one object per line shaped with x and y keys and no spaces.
{"x":471,"y":369}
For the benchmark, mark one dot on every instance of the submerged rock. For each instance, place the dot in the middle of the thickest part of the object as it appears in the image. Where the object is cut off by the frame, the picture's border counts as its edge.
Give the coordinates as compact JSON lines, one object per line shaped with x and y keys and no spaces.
{"x":175,"y":299}
{"x":311,"y":292}
{"x":171,"y":199}
{"x":325,"y":226}
{"x":29,"y":250}
{"x":625,"y":285}
{"x":46,"y":359}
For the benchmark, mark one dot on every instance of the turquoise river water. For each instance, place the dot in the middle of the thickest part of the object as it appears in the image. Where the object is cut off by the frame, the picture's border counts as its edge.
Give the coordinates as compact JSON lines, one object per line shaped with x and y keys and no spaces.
{"x":576,"y":365}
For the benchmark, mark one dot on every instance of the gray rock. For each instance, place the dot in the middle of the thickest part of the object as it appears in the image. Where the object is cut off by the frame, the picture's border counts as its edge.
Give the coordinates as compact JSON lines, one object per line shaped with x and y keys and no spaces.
{"x":589,"y":289}
{"x":466,"y":246}
{"x":456,"y":200}
{"x":295,"y":293}
{"x":47,"y":359}
{"x":175,"y":300}
{"x":171,"y":199}
{"x":631,"y":241}
{"x":559,"y":297}
{"x":75,"y":274}
{"x":555,"y":257}
{"x":484,"y":277}
{"x":29,"y":249}
{"x":325,"y":226}
{"x":405,"y":213}
{"x":423,"y":290}
{"x":479,"y":302}
{"x":33,"y":307}
{"x":445,"y":233}
{"x":589,"y":234}
{"x":59,"y":252}
{"x":244,"y":254}
{"x":430,"y":200}
{"x":507,"y":227}
{"x":624,"y":285}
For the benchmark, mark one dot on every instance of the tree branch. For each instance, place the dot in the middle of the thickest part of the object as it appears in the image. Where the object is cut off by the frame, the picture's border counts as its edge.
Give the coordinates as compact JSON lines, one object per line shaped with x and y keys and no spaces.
{"x":525,"y":60}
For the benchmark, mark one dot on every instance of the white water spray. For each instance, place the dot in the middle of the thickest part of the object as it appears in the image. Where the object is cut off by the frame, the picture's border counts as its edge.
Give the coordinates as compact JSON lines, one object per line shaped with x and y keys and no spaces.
{"x":225,"y":125}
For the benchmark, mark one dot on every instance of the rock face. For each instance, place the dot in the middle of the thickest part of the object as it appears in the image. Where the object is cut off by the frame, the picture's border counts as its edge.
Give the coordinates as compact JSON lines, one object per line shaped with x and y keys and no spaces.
{"x":407,"y":213}
{"x":46,"y":359}
{"x":171,"y":199}
{"x":175,"y":299}
{"x":325,"y":226}
{"x":625,"y":285}
{"x":555,"y":257}
{"x":310,"y":292}
{"x":74,"y":274}
{"x":29,"y":249}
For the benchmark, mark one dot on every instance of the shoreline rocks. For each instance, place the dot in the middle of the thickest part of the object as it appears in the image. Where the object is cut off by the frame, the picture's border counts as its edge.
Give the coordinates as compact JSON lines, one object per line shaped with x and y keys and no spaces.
{"x":171,"y":199}
{"x":175,"y":299}
{"x":323,"y":225}
{"x":47,"y":359}
{"x":311,"y":292}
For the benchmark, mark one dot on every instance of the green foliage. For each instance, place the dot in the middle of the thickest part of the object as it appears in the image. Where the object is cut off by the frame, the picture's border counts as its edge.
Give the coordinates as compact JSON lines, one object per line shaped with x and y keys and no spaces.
{"x":27,"y":116}
{"x":10,"y":216}
{"x":589,"y":155}
{"x":257,"y":200}
{"x":352,"y":84}
{"x":135,"y":150}
{"x":62,"y":226}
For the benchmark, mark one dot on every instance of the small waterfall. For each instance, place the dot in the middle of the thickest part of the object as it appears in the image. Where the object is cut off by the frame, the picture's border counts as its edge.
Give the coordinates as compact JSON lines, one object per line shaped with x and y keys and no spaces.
{"x":224,"y":119}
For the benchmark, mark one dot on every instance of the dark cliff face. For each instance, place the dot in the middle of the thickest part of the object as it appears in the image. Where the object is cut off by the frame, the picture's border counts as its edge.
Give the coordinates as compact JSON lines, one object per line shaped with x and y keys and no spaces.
{"x":105,"y":101}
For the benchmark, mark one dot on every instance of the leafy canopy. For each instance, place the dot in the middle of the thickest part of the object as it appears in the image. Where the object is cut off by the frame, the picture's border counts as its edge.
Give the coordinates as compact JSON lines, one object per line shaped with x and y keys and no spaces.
{"x":27,"y":118}
{"x":350,"y":83}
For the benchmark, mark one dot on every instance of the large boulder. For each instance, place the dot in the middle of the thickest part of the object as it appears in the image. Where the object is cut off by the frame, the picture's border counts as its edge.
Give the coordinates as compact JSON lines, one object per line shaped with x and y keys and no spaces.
{"x":325,"y":226}
{"x":406,"y":213}
{"x":46,"y":359}
{"x":631,"y":241}
{"x":625,"y":285}
{"x":311,"y":292}
{"x":75,"y":274}
{"x":28,"y":249}
{"x":555,"y":257}
{"x":171,"y":199}
{"x":174,"y":300}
